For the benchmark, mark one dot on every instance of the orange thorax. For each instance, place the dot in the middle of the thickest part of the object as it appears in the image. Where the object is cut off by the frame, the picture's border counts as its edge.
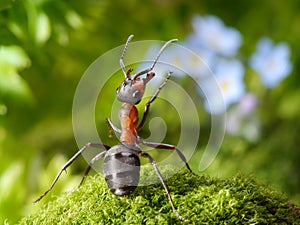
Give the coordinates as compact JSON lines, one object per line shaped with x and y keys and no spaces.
{"x":128,"y":116}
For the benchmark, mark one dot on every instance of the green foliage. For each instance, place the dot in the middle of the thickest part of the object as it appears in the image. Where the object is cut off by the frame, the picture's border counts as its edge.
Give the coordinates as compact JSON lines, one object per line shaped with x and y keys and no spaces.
{"x":11,"y":181}
{"x":200,"y":199}
{"x":13,"y":59}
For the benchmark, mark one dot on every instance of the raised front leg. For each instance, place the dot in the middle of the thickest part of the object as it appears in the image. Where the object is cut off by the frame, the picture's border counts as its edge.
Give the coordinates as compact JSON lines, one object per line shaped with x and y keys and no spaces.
{"x":147,"y":106}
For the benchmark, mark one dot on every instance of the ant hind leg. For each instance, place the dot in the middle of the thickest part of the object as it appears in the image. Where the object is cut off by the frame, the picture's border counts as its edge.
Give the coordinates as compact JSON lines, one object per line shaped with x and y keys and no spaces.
{"x":168,"y":147}
{"x":152,"y":161}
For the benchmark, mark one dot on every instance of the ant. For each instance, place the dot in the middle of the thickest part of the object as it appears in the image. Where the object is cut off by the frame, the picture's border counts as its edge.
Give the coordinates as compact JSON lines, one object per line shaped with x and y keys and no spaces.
{"x":122,"y":162}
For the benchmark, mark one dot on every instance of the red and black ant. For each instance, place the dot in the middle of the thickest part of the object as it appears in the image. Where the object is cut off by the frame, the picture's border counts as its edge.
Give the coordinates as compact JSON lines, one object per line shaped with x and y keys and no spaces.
{"x":122,"y":162}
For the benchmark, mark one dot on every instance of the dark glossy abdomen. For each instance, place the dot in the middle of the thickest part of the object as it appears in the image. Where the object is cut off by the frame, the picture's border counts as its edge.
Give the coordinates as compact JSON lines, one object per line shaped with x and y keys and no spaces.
{"x":121,"y":169}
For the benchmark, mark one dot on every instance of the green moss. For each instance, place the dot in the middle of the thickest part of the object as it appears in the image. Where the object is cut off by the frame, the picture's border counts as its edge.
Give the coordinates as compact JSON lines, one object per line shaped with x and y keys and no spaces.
{"x":202,"y":200}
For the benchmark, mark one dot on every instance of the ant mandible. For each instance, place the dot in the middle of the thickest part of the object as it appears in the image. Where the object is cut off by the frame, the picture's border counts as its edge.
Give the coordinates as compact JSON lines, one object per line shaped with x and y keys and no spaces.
{"x":122,"y":162}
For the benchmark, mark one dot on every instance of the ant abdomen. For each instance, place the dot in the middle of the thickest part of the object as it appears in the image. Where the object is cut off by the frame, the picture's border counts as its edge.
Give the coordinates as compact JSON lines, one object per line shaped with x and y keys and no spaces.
{"x":122,"y":169}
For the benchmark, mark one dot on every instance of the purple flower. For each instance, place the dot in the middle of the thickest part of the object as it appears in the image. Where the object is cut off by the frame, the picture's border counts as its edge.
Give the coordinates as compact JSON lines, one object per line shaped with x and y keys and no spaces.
{"x":247,"y":104}
{"x":211,"y":33}
{"x":241,"y":119}
{"x":271,"y":62}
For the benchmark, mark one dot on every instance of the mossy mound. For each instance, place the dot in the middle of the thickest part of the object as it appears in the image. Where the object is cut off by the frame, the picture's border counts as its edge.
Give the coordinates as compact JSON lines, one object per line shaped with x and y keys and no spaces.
{"x":200,"y":199}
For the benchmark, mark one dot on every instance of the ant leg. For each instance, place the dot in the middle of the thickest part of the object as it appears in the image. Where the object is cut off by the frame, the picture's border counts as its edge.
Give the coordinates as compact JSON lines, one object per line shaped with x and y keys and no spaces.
{"x":95,"y":145}
{"x":169,"y":147}
{"x":112,"y":126}
{"x":146,"y":155}
{"x":96,"y":158}
{"x":147,"y":106}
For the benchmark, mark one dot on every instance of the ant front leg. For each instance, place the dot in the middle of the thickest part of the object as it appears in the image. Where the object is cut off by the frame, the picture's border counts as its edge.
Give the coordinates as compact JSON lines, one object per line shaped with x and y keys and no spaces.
{"x":168,"y":147}
{"x":147,"y":107}
{"x":95,"y":145}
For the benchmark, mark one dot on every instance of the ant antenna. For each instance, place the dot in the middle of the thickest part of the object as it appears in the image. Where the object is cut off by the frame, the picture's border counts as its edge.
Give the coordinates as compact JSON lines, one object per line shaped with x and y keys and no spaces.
{"x":156,"y":58}
{"x":123,"y":54}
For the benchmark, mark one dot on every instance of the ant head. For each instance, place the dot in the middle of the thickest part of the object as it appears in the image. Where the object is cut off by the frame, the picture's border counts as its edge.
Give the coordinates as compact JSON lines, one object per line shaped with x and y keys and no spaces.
{"x":133,"y":87}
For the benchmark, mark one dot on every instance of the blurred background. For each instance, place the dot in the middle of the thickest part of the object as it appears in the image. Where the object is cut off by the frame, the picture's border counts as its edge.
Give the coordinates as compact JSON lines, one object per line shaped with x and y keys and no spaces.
{"x":46,"y":46}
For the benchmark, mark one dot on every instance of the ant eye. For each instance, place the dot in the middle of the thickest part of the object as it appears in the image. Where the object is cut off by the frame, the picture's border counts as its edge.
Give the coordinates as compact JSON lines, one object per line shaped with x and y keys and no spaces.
{"x":136,"y":94}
